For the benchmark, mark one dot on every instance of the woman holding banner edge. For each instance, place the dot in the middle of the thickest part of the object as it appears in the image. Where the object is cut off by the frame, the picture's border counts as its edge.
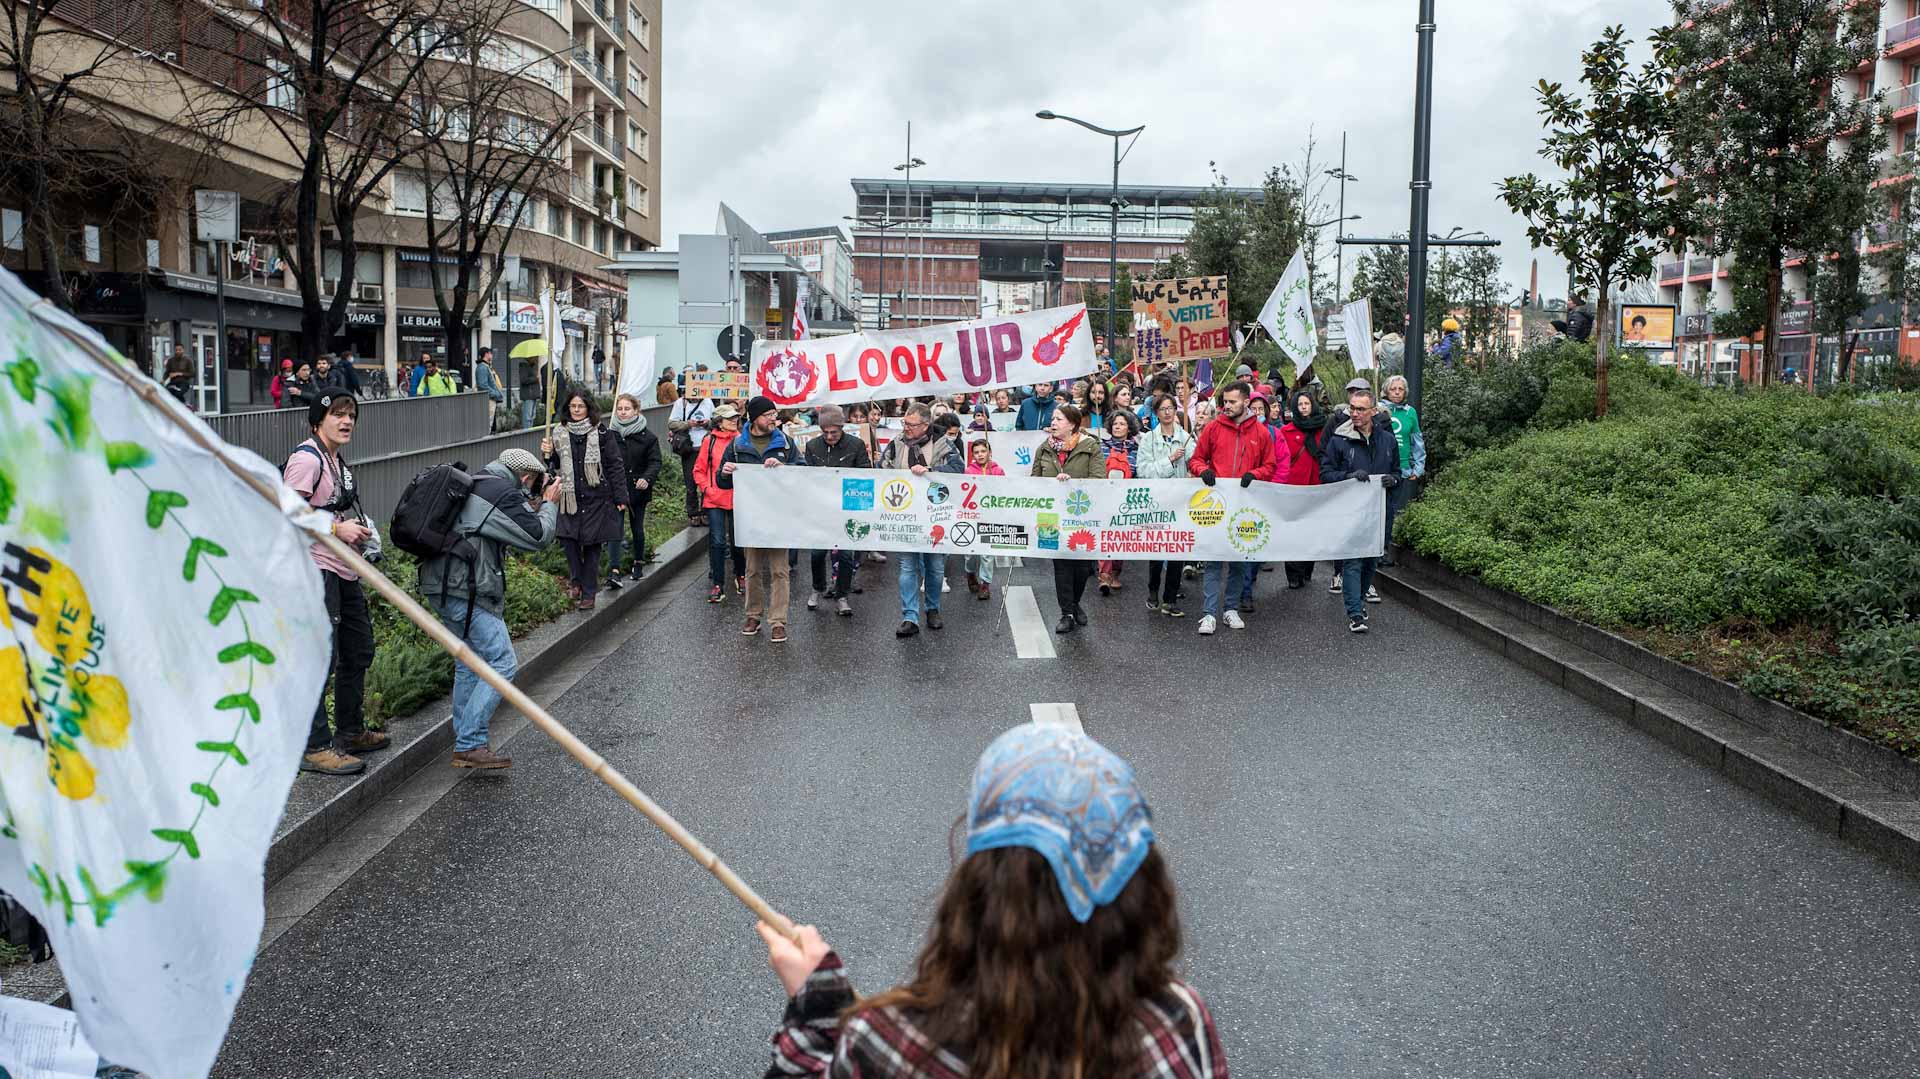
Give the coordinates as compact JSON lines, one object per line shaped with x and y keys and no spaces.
{"x":1069,"y":454}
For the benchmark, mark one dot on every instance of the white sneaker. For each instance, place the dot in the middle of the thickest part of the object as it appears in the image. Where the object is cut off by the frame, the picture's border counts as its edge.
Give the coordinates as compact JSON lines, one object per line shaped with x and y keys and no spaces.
{"x":1233,"y":620}
{"x":946,"y":585}
{"x":1335,"y":586}
{"x":1206,"y":626}
{"x":813,"y":600}
{"x":1373,"y":595}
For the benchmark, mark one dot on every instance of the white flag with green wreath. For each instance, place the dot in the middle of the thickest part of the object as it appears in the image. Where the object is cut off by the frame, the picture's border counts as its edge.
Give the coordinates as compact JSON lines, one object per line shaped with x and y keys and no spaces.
{"x":1288,"y":313}
{"x":163,"y":642}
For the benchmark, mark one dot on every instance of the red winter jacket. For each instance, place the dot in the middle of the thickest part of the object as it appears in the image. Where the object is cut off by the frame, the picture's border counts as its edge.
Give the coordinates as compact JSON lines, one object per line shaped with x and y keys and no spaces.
{"x":1232,"y":449}
{"x":1297,"y":466}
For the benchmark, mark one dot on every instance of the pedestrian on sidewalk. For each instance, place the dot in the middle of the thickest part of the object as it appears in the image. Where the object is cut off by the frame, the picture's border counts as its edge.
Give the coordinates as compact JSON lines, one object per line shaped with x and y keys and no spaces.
{"x":979,"y":567}
{"x":488,"y":383}
{"x":1052,"y":950}
{"x":435,"y":382}
{"x":1069,"y":453}
{"x":594,"y":491}
{"x":1413,"y":454}
{"x":1236,"y":443}
{"x":640,"y":453}
{"x":316,"y":473}
{"x":831,"y":448}
{"x":762,"y":445}
{"x":919,"y":450}
{"x":1362,"y":449}
{"x":687,"y":425}
{"x":506,"y":508}
{"x":717,"y":503}
{"x":1163,"y":455}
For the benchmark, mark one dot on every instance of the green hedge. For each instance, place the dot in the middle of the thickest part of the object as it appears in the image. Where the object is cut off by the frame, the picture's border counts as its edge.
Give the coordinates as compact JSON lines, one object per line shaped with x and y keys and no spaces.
{"x":1771,"y":537}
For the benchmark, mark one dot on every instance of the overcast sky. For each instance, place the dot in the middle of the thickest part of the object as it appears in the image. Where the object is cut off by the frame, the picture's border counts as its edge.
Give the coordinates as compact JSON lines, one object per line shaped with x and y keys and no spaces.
{"x":774,"y":106}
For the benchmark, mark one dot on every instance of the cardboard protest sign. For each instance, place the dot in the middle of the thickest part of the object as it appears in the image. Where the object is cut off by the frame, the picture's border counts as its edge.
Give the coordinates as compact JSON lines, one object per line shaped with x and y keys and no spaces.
{"x":948,"y":513}
{"x":1180,"y":319}
{"x":719,"y":385}
{"x":956,"y":357}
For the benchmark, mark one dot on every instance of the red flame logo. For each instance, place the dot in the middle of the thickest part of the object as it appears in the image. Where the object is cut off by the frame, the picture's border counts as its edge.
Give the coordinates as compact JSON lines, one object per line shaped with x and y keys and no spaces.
{"x":787,"y":377}
{"x":1054,"y":345}
{"x":938,"y":533}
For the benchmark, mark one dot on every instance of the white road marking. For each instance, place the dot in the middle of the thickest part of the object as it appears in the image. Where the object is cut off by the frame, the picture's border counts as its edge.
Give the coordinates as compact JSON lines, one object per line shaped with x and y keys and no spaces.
{"x":1066,"y":715}
{"x":1030,"y":637}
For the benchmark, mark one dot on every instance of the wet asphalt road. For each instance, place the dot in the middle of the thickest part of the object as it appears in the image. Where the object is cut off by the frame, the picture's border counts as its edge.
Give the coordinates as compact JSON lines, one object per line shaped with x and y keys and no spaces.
{"x":1398,"y":855}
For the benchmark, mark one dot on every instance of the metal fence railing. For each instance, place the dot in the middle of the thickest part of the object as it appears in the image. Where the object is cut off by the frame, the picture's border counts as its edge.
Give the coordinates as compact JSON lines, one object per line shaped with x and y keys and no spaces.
{"x":1902,"y":33}
{"x":1695,"y":267}
{"x":1670,"y":270}
{"x":384,"y":427}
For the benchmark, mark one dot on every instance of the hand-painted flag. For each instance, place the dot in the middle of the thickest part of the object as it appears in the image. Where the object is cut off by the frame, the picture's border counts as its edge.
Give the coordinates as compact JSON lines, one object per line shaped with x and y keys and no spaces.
{"x":163,"y":643}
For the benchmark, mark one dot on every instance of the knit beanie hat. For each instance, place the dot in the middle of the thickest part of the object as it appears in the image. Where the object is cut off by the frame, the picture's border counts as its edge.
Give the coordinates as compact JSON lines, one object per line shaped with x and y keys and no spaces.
{"x":759,"y":407}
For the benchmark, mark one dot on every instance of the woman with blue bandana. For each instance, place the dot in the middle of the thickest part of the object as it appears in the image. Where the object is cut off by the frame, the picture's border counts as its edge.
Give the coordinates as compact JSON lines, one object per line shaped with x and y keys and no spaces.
{"x":1051,"y":954}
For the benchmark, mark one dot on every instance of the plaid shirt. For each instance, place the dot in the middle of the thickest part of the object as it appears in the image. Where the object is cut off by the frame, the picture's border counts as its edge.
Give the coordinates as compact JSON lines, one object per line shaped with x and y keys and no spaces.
{"x":1178,"y":1037}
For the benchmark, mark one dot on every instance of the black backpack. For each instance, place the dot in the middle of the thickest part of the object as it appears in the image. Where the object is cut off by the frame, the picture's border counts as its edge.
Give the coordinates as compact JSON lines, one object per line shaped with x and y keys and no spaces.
{"x":429,"y":509}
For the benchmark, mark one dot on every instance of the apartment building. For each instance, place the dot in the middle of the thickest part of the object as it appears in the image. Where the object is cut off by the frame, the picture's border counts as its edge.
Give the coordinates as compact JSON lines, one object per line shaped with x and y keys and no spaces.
{"x":144,"y":282}
{"x":1699,"y":284}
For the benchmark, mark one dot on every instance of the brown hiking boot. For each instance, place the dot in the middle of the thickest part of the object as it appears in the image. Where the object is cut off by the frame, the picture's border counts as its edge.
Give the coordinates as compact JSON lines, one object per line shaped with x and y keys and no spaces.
{"x":331,"y":762}
{"x":483,"y":758}
{"x":366,"y":742}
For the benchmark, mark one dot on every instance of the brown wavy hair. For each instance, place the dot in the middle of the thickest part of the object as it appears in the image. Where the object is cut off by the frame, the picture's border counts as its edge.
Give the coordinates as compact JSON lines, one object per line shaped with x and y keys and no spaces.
{"x":1009,"y":980}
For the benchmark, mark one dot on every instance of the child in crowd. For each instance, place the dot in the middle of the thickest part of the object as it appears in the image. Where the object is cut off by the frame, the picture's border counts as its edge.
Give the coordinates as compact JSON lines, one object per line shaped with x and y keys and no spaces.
{"x":979,"y":568}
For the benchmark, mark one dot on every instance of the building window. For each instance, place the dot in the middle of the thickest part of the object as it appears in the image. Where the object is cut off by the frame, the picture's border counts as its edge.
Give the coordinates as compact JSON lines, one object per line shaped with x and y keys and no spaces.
{"x":556,"y":219}
{"x":645,"y":149}
{"x":646,"y":86}
{"x":633,"y":137}
{"x":641,"y":200}
{"x":580,"y":230}
{"x":409,"y":193}
{"x":280,"y":92}
{"x":637,"y":24}
{"x":13,"y":230}
{"x":153,"y":254}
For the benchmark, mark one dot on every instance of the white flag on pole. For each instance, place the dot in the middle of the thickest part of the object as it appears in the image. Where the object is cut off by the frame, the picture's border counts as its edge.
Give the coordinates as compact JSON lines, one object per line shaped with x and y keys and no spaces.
{"x":1288,"y":314}
{"x":636,"y":369}
{"x":1356,"y":321}
{"x":162,"y":645}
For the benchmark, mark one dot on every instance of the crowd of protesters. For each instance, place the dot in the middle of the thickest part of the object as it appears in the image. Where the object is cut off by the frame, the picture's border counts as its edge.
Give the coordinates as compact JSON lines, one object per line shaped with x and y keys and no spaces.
{"x":1245,"y":431}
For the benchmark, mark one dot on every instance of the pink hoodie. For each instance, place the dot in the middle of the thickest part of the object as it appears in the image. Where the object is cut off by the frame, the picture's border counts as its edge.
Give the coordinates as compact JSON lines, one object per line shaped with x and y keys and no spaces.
{"x":993,"y":469}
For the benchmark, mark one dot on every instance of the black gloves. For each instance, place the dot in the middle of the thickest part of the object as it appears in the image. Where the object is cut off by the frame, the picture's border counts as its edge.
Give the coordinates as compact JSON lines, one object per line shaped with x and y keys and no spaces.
{"x":1246,"y":479}
{"x":1361,"y":476}
{"x":1389,"y":481}
{"x":1207,"y":477}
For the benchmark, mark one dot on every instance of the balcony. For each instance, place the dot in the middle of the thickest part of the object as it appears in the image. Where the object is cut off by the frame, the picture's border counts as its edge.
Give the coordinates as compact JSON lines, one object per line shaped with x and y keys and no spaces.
{"x":1671,"y":271}
{"x":1901,"y":101}
{"x":580,"y":188}
{"x":1700,"y":267}
{"x":591,"y":64}
{"x":600,"y":9}
{"x":1882,"y":234}
{"x":1903,"y":39}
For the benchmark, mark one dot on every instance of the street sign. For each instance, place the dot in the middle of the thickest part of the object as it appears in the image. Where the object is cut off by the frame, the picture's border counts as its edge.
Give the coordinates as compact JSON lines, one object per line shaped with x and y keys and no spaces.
{"x":216,"y":215}
{"x":735,"y":343}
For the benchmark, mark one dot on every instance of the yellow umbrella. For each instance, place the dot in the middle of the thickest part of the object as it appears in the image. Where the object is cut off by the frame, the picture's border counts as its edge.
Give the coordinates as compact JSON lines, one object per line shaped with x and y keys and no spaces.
{"x":528,"y":349}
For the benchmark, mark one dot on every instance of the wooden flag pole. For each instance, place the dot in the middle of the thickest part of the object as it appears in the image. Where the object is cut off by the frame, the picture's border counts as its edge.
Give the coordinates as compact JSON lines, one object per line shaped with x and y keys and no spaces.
{"x":149,"y":391}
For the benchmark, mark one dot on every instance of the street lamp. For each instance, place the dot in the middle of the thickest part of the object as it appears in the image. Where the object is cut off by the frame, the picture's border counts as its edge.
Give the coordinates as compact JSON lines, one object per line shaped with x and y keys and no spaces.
{"x":1341,"y":174}
{"x":880,"y":295}
{"x":1334,"y":221}
{"x":907,"y":166}
{"x":1113,"y":235}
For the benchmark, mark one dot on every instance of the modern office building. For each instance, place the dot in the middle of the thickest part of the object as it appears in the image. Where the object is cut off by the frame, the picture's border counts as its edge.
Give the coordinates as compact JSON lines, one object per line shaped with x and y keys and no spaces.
{"x":833,"y":292}
{"x":1699,"y":284}
{"x":135,"y":271}
{"x":937,"y":252}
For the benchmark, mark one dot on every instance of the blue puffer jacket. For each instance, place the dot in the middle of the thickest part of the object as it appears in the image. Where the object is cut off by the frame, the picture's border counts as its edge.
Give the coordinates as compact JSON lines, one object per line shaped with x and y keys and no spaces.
{"x":1348,"y":454}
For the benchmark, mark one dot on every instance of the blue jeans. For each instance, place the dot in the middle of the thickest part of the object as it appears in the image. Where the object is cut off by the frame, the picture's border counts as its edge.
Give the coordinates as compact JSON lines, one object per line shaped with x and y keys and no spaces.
{"x":1236,"y":580}
{"x":916,"y":571}
{"x":473,"y":699}
{"x":1356,"y":576}
{"x":529,"y":412}
{"x":719,"y":544}
{"x":980,"y":565}
{"x":1246,"y":590}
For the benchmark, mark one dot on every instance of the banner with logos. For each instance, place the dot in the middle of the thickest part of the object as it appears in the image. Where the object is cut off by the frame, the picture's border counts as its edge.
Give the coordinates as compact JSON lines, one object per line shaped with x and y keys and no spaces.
{"x":1012,"y":450}
{"x":946,"y":513}
{"x":955,"y":357}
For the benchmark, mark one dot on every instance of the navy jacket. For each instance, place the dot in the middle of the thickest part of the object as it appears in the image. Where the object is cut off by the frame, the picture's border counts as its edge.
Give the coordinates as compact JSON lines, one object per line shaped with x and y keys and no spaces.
{"x":1346,"y":455}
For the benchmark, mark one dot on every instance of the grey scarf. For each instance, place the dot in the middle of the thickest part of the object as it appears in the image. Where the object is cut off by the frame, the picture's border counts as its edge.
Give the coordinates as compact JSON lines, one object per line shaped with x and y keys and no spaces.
{"x":628,"y":428}
{"x":569,"y":503}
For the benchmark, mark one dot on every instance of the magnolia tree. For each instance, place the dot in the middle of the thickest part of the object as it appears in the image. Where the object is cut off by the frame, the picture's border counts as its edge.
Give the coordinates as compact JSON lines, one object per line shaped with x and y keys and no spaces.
{"x":1606,"y":213}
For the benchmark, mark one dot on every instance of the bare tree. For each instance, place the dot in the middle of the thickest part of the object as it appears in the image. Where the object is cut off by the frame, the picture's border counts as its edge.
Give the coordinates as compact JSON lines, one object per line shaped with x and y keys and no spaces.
{"x":493,"y":130}
{"x":332,"y":81}
{"x":73,"y":79}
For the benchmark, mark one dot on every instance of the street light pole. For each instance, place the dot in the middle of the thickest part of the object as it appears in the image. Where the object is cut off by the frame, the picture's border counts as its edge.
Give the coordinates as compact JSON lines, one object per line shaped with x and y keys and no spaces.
{"x":1113,"y":234}
{"x":1339,"y":249}
{"x":906,"y":275}
{"x":1421,"y":186}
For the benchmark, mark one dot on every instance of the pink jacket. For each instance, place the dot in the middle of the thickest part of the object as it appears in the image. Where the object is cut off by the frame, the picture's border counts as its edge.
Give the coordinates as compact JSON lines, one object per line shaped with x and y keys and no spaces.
{"x":993,"y":469}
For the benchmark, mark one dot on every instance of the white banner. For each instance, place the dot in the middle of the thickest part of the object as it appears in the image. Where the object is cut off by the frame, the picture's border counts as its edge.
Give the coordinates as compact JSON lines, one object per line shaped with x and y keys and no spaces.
{"x":945,"y":513}
{"x":1012,"y":450}
{"x":162,"y":645}
{"x":636,"y":370}
{"x":1288,"y":314}
{"x":1356,"y":320}
{"x":956,"y":357}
